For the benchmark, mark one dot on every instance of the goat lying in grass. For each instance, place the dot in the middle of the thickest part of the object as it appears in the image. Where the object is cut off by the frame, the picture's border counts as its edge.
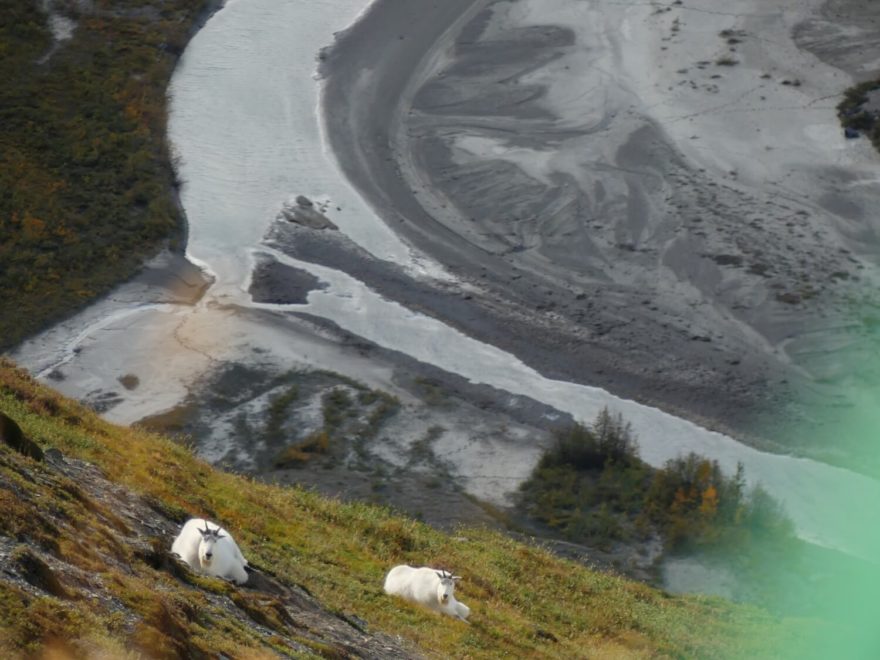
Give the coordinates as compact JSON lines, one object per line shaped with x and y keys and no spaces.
{"x":210,"y":551}
{"x":428,"y":587}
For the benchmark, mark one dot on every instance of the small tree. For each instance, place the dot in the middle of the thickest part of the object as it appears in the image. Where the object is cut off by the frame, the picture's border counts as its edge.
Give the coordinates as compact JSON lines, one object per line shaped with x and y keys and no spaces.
{"x":575,"y":447}
{"x":765,"y":516}
{"x":609,"y":440}
{"x":614,"y":437}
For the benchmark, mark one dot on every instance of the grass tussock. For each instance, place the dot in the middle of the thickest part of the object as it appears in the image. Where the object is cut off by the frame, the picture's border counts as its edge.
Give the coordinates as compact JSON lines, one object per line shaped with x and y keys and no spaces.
{"x":525,"y":602}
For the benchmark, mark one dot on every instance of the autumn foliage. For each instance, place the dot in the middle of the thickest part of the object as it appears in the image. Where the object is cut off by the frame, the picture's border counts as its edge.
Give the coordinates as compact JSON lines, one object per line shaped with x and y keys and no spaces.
{"x":593,"y":488}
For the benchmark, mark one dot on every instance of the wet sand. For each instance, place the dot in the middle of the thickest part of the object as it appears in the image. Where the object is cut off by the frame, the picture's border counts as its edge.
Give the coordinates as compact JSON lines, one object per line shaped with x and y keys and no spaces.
{"x":656,"y":200}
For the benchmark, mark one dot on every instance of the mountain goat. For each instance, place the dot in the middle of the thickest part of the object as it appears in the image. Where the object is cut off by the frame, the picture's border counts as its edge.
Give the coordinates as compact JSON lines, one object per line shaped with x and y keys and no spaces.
{"x":210,"y":551}
{"x":428,"y":587}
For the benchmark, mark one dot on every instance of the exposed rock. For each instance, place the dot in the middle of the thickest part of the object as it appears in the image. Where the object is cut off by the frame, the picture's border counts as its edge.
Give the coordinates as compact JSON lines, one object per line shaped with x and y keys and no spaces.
{"x":304,"y":213}
{"x":39,"y":574}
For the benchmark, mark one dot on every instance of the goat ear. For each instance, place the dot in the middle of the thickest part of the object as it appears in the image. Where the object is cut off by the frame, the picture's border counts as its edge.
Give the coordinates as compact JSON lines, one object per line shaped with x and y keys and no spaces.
{"x":456,"y":577}
{"x":219,"y":535}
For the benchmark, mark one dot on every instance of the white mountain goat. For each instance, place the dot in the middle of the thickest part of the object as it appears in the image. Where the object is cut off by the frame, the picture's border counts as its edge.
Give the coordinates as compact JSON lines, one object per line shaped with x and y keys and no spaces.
{"x":426,"y":586}
{"x":210,"y":551}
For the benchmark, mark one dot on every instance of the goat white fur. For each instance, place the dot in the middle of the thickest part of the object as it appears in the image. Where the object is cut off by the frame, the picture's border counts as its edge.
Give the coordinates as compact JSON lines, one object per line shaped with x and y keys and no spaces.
{"x":211,"y":551}
{"x":429,"y":587}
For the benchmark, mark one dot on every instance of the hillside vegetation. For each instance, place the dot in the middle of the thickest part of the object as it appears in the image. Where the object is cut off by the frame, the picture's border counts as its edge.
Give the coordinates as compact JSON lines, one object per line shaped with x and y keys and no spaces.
{"x":86,"y":182}
{"x":525,"y":602}
{"x":592,"y":486}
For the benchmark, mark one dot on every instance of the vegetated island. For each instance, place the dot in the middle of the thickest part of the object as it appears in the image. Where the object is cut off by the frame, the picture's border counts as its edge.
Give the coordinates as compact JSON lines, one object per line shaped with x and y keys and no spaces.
{"x":85,"y":540}
{"x":592,"y":488}
{"x":87,"y":186}
{"x":592,"y":484}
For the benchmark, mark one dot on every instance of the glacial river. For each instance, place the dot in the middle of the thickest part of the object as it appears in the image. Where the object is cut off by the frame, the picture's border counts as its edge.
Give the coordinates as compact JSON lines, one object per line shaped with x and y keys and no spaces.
{"x":245,"y":124}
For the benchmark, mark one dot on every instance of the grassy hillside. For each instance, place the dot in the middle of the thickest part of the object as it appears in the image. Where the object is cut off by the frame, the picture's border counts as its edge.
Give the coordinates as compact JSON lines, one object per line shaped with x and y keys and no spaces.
{"x":86,"y":184}
{"x":525,"y":602}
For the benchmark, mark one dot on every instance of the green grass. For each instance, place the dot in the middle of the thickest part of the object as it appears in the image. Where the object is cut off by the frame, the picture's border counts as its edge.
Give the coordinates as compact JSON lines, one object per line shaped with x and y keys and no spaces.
{"x":525,"y":601}
{"x":86,"y":182}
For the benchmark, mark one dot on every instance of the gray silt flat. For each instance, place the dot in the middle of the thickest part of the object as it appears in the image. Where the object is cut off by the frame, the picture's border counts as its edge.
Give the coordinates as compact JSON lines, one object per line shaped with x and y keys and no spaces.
{"x":631,"y":270}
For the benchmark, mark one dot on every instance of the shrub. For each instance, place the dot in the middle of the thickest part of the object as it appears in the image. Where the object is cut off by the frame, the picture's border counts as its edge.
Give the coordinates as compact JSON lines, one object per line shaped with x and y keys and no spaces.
{"x":851,"y":117}
{"x":592,"y":487}
{"x":589,"y":485}
{"x":315,"y":444}
{"x":278,"y":412}
{"x":592,"y":448}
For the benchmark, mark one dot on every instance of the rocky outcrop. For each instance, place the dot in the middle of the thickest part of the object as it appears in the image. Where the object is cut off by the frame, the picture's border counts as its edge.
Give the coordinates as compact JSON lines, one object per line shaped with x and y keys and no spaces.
{"x":303,"y":211}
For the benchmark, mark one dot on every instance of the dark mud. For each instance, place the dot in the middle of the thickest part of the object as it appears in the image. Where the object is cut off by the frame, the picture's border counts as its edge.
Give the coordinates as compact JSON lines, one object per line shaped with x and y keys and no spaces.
{"x":280,"y":284}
